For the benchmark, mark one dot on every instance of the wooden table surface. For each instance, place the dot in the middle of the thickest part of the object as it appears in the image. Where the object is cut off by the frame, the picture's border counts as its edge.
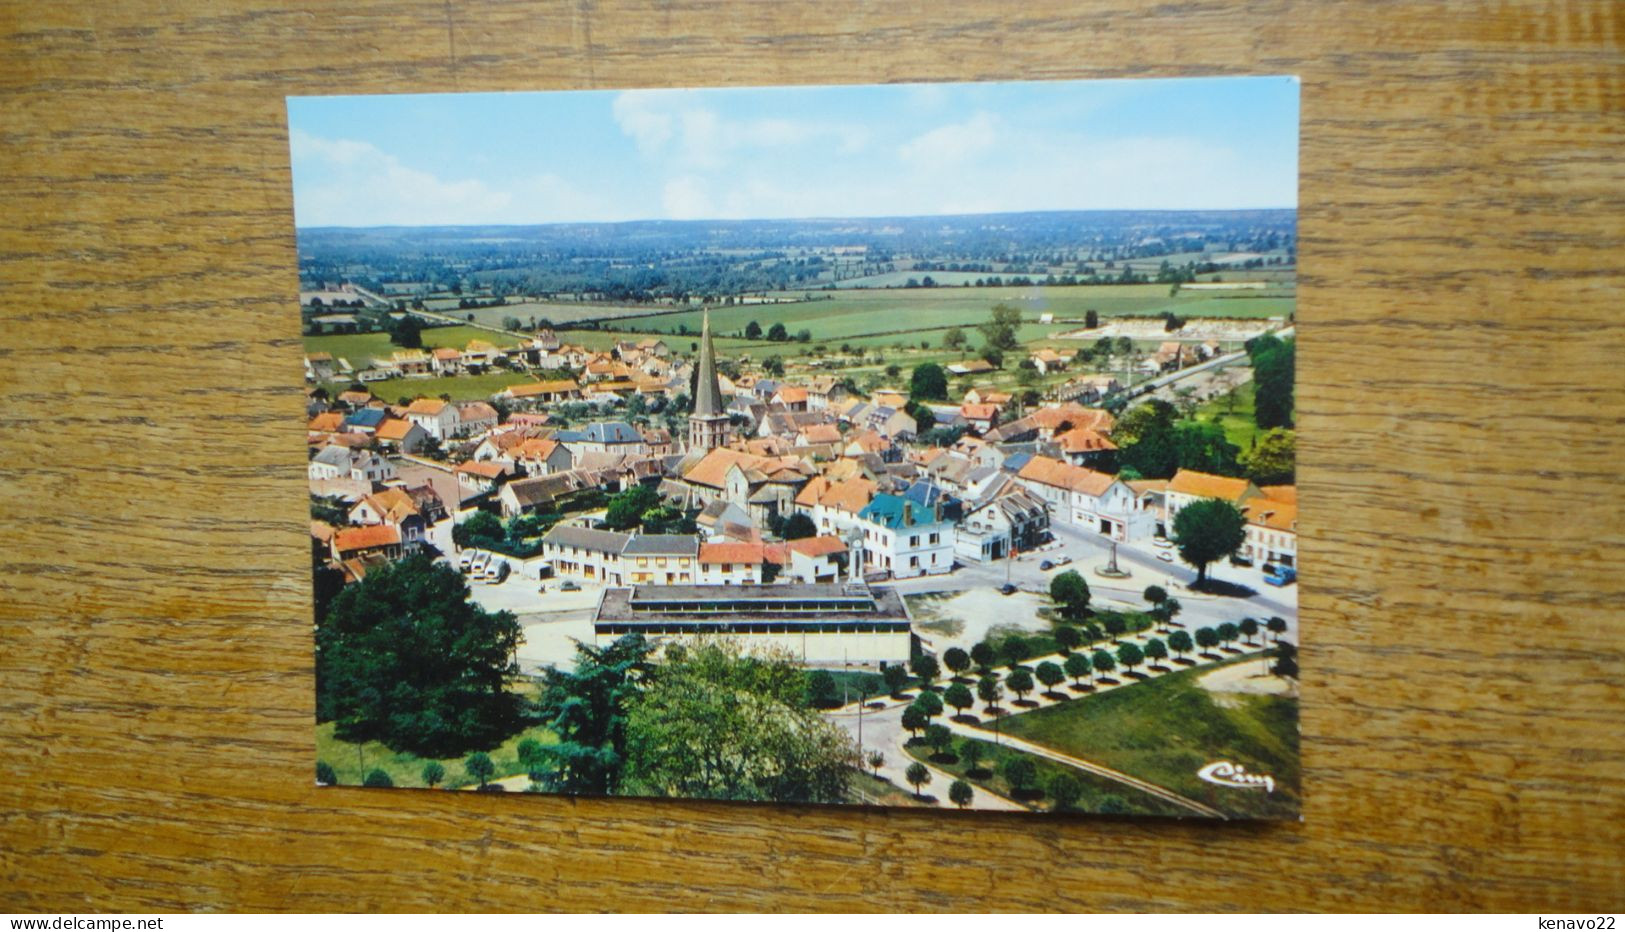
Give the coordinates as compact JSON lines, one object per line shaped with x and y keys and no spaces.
{"x":1462,"y":395}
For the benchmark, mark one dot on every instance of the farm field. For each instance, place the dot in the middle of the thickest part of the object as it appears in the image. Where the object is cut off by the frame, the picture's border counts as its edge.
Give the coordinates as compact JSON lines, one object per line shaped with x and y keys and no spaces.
{"x":459,"y":387}
{"x":858,"y":313}
{"x":681,"y":345}
{"x":561,"y":313}
{"x":1236,"y":418}
{"x":1166,"y":729}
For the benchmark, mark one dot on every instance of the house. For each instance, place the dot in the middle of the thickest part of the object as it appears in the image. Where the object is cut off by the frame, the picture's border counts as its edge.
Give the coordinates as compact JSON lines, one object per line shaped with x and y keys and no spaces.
{"x":617,"y":437}
{"x":550,"y":493}
{"x":529,"y":395}
{"x":1048,"y":361}
{"x":477,"y":478}
{"x":480,"y":355}
{"x":904,"y":540}
{"x":888,"y":398}
{"x":412,"y":363}
{"x":437,"y":417}
{"x":834,"y":506}
{"x":1085,"y":446}
{"x":541,"y":456}
{"x":365,"y":421}
{"x":823,"y":392}
{"x":446,"y":360}
{"x":814,"y":559}
{"x":1272,"y":526}
{"x":987,"y":396}
{"x":1011,"y":521}
{"x":326,"y":423}
{"x":319,"y":367}
{"x":1086,"y":499}
{"x":355,"y":542}
{"x":341,"y":462}
{"x":792,"y":397}
{"x":980,"y":417}
{"x":394,"y":507}
{"x":475,"y":417}
{"x":723,"y":520}
{"x":658,"y":441}
{"x":971,"y":367}
{"x":405,"y":436}
{"x":660,"y":559}
{"x":585,"y":553}
{"x":730,"y":563}
{"x":1088,"y":389}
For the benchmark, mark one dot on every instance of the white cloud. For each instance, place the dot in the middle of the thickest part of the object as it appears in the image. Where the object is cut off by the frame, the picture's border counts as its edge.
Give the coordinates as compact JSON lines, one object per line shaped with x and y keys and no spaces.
{"x":344,"y":182}
{"x":952,"y":143}
{"x":685,"y":198}
{"x":674,"y":125}
{"x":642,"y":116}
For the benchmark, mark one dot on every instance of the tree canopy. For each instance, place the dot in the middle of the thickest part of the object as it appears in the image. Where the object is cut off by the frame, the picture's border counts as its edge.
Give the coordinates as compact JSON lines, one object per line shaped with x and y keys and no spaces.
{"x":1206,"y":530}
{"x":403,"y":657}
{"x":716,"y":723}
{"x":928,"y":382}
{"x":587,"y":707}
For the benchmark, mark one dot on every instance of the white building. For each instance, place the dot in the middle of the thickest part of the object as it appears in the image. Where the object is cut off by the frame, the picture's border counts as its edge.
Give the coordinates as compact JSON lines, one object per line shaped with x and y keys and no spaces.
{"x":905,"y":539}
{"x":1088,"y":500}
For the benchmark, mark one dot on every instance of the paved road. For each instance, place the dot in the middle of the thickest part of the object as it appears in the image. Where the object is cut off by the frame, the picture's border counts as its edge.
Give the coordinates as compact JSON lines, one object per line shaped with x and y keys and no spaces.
{"x":883,"y":731}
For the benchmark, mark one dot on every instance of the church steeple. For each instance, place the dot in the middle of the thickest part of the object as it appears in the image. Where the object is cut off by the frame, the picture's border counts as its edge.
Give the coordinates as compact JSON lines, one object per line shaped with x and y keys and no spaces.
{"x":708,"y":425}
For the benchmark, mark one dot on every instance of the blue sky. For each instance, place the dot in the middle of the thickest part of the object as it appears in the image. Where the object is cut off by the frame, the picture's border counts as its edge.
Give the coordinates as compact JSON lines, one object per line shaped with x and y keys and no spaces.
{"x":843,"y":151}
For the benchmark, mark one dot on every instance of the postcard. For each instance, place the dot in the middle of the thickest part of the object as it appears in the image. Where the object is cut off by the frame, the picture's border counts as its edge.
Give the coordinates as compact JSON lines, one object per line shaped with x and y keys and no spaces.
{"x":909,"y":445}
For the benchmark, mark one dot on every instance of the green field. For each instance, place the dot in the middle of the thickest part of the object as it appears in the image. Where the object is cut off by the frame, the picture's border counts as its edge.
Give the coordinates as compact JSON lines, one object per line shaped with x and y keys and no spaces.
{"x":1235,"y":417}
{"x":561,"y":313}
{"x":459,"y":387}
{"x":859,"y":313}
{"x":1165,"y":729}
{"x":406,"y":769}
{"x":360,"y":348}
{"x":1097,"y":790}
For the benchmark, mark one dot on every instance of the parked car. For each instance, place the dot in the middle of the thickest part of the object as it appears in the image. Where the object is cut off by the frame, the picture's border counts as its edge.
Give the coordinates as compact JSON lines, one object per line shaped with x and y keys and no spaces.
{"x":466,"y":558}
{"x":1165,"y":556}
{"x":1062,"y":560}
{"x":1046,"y":566}
{"x":1162,"y":542}
{"x":497,"y":572}
{"x":1006,"y":589}
{"x":1283,"y":575}
{"x":569,"y":585}
{"x":476,"y":567}
{"x":1239,"y":560}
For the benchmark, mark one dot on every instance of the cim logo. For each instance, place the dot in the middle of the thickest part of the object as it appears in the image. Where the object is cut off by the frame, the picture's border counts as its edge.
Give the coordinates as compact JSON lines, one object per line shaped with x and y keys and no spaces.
{"x":1225,"y":773}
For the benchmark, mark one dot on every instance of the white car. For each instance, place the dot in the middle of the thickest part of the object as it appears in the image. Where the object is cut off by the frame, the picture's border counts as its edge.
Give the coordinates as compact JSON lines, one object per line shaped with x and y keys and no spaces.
{"x":1165,"y":556}
{"x":466,"y":558}
{"x":477,"y":566}
{"x":1162,"y":542}
{"x":495,"y":570}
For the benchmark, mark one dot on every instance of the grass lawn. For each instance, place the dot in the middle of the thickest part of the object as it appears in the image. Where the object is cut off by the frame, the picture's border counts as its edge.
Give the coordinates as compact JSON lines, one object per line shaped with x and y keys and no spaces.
{"x":1164,"y":730}
{"x":865,"y":789}
{"x":1099,"y":794}
{"x":560,"y":313}
{"x":459,"y":387}
{"x":407,"y":769}
{"x":1235,"y":417}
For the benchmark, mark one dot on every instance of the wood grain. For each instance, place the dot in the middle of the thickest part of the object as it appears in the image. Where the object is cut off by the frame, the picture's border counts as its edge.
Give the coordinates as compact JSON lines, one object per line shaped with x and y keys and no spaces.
{"x":1462,"y":333}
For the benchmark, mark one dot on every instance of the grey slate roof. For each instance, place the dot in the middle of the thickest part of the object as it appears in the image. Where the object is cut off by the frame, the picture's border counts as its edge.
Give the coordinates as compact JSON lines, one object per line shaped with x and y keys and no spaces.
{"x":662,"y":545}
{"x":586,"y":538}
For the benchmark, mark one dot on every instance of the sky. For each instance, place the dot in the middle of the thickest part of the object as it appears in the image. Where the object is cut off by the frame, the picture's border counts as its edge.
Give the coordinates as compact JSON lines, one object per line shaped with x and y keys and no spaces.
{"x":794,"y":152}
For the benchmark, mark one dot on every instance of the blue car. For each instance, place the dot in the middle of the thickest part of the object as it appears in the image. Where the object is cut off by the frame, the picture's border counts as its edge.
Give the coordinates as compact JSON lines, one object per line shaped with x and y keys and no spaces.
{"x":1283,"y":575}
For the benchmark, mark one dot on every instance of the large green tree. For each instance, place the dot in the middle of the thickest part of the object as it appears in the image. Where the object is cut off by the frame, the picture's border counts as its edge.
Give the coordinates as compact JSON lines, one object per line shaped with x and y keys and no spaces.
{"x":1000,"y":329}
{"x":1274,"y":460}
{"x":928,"y":382}
{"x":1071,"y":594}
{"x":403,"y":657}
{"x":1273,"y":373}
{"x":587,"y":708}
{"x":626,"y":508}
{"x":717,"y":723}
{"x":1207,"y":530}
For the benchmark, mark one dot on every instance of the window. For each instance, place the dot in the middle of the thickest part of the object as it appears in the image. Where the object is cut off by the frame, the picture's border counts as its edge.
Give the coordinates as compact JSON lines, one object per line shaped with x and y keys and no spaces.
{"x":914,"y":540}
